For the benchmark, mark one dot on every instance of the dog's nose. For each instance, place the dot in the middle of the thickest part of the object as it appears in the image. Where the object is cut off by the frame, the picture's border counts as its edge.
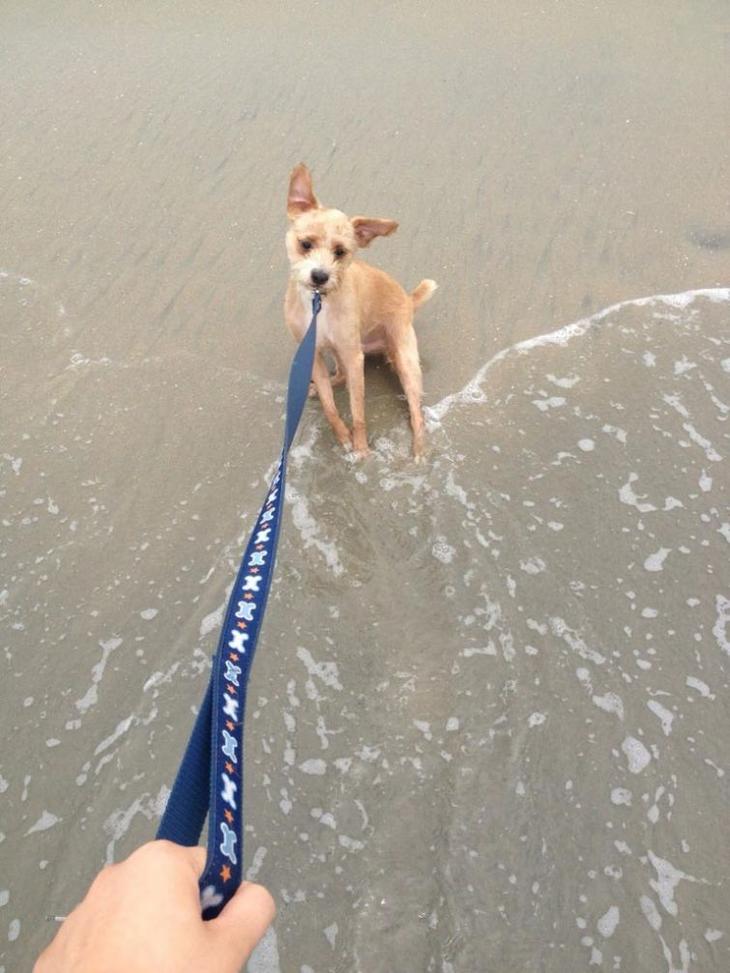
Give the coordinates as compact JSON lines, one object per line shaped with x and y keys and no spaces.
{"x":319,"y":277}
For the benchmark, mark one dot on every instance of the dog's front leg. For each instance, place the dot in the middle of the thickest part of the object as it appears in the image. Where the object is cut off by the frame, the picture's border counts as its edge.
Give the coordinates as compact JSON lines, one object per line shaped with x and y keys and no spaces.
{"x":354,"y":365}
{"x":321,"y":378}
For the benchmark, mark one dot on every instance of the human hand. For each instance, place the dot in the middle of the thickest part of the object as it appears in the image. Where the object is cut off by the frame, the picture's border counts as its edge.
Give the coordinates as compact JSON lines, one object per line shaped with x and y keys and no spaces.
{"x":143,"y":916}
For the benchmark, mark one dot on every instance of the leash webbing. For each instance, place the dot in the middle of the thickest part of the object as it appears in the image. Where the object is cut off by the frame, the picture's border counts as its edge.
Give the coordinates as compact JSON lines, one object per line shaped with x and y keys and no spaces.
{"x":210,"y":778}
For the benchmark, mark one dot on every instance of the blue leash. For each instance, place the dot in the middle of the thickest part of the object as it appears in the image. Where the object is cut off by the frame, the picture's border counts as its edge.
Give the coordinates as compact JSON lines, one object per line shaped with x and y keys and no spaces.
{"x":210,"y":778}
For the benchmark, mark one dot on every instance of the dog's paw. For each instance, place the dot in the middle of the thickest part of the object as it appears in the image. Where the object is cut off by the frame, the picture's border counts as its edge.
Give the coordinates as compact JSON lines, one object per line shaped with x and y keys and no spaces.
{"x":419,"y":445}
{"x":344,"y":438}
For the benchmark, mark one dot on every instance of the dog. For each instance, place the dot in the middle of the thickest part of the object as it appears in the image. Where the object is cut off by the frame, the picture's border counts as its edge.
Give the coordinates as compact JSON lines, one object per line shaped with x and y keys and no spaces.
{"x":364,"y":310}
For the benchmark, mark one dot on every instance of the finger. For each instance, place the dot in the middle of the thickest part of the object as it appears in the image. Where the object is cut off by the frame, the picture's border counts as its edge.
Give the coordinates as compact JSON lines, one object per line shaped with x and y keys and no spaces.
{"x":244,"y":920}
{"x":167,"y":871}
{"x":197,"y":857}
{"x":171,"y":854}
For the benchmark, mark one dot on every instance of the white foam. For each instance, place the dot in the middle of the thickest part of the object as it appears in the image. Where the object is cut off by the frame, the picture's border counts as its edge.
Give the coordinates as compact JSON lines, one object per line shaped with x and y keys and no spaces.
{"x":314,"y":766}
{"x":636,"y":754}
{"x":552,"y":402}
{"x":621,"y":796}
{"x":121,"y":728}
{"x":424,"y":727}
{"x":655,"y":561}
{"x":562,"y":630}
{"x":710,"y":452}
{"x":458,"y":492}
{"x":472,"y":392}
{"x":650,"y":912}
{"x":265,"y":958}
{"x":616,"y":431}
{"x":564,"y":383}
{"x":326,"y":671}
{"x":443,"y":551}
{"x":119,"y":821}
{"x":608,"y":922}
{"x":158,"y":678}
{"x":702,"y":688}
{"x":719,"y":629}
{"x":351,"y":844}
{"x":44,"y":822}
{"x":610,"y":703}
{"x":311,"y":531}
{"x":91,"y":696}
{"x":663,"y":714}
{"x":685,"y":957}
{"x":213,"y":620}
{"x":684,"y":365}
{"x":626,"y":495}
{"x":471,"y":650}
{"x":668,"y":878}
{"x":256,"y":863}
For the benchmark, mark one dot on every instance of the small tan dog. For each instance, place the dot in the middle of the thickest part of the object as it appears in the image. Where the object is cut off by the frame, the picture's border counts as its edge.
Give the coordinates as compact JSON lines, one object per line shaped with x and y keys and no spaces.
{"x":364,"y":311}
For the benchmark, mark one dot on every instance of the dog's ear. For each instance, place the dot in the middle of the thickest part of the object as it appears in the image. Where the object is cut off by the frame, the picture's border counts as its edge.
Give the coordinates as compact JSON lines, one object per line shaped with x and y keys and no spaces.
{"x":301,"y":195}
{"x":367,"y":228}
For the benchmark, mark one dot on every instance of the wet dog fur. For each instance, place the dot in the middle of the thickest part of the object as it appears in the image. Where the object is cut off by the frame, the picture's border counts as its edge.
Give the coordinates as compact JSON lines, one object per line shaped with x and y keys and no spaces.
{"x":364,"y":310}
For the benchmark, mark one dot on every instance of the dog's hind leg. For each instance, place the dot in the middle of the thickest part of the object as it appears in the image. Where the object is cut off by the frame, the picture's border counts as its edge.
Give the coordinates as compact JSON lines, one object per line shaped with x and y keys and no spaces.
{"x":336,"y":379}
{"x":403,"y":354}
{"x":339,"y":377}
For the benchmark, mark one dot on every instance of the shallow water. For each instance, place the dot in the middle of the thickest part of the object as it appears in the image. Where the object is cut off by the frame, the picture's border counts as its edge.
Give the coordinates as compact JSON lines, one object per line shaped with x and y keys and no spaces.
{"x":488,"y":725}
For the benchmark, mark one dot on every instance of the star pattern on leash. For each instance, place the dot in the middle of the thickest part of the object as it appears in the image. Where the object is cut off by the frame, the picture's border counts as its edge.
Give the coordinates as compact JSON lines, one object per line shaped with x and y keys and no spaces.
{"x":237,"y":644}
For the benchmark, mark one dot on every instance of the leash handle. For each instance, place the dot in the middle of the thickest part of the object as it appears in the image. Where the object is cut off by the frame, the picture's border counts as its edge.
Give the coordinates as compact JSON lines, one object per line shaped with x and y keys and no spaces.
{"x":210,"y":778}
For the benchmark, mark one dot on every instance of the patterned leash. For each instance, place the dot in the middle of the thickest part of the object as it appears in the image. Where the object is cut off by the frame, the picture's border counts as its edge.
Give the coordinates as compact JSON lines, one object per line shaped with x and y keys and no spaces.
{"x":210,"y":778}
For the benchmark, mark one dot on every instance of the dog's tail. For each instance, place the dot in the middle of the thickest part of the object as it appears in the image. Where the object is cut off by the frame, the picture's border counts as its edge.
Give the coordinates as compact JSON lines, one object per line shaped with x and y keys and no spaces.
{"x":424,"y":292}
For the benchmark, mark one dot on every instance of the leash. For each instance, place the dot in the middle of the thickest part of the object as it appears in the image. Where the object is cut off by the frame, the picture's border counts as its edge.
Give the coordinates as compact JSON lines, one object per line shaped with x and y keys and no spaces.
{"x":210,"y":778}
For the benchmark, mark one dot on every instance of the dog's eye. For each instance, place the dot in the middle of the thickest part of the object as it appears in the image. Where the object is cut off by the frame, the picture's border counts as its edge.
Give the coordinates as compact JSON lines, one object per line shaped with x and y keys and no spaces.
{"x":306,"y":245}
{"x":339,"y":252}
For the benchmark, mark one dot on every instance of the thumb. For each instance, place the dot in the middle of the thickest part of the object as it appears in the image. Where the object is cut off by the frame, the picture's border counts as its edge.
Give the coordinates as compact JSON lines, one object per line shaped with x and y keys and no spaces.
{"x":244,"y":920}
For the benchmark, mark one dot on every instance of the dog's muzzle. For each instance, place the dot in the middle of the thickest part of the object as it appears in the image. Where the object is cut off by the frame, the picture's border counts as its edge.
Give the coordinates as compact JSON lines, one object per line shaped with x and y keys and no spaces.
{"x":319,"y":277}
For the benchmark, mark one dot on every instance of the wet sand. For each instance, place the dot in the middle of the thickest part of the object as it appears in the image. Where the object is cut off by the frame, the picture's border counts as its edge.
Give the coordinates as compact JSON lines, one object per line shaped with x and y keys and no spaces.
{"x":488,"y":723}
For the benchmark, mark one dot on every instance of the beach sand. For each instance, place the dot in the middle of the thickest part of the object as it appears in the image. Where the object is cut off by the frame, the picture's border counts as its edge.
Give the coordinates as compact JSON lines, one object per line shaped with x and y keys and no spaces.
{"x":487,"y":728}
